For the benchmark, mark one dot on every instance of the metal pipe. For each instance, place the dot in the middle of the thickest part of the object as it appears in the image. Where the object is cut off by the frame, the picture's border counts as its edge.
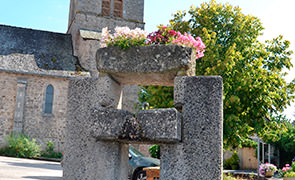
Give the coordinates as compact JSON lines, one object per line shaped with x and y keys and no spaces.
{"x":258,"y":157}
{"x":269,"y":160}
{"x":262,"y":152}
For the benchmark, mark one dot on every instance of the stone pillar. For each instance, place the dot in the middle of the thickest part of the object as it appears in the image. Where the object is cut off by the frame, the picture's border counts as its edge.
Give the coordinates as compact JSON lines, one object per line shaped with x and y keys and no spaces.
{"x":199,"y":154}
{"x":85,"y":157}
{"x":18,"y":123}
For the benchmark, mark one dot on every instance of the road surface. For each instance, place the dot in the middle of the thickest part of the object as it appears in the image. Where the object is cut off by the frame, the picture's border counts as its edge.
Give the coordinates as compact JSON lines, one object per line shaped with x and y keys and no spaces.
{"x":26,"y":169}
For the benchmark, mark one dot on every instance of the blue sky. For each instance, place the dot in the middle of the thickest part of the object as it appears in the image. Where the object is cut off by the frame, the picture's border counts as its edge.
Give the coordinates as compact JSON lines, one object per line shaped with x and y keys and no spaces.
{"x":277,"y":17}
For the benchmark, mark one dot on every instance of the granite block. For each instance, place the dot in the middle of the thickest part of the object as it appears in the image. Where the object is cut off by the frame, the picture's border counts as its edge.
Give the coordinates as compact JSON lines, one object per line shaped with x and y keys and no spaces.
{"x":107,"y":124}
{"x":149,"y":126}
{"x":161,"y":125}
{"x":146,"y":65}
{"x":199,"y":155}
{"x":85,"y":157}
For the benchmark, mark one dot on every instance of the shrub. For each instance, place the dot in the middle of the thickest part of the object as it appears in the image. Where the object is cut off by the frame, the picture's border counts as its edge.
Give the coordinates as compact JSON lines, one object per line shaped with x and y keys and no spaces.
{"x":232,"y":163}
{"x":287,"y":171}
{"x":154,"y":151}
{"x":290,"y":174}
{"x":21,"y":145}
{"x":49,"y":147}
{"x":49,"y":153}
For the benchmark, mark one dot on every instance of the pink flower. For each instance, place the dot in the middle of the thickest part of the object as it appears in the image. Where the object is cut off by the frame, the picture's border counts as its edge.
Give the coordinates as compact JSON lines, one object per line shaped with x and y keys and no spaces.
{"x":287,"y":165}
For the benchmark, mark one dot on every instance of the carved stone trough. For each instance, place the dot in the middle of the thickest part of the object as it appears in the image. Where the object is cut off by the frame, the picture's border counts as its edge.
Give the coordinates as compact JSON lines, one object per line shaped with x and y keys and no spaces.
{"x":146,"y":65}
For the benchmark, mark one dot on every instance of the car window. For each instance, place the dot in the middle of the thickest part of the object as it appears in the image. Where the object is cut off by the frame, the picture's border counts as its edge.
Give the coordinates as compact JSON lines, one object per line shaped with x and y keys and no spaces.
{"x":134,"y":151}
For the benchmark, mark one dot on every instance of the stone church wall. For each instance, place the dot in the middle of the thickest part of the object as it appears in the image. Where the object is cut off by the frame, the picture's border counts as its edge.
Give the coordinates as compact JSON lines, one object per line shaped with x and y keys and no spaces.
{"x":46,"y":127}
{"x":36,"y":124}
{"x":7,"y":104}
{"x":30,"y":60}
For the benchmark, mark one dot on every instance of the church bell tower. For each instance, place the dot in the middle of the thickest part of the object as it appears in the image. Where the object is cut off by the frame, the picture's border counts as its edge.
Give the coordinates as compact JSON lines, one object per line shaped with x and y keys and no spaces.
{"x":87,"y":19}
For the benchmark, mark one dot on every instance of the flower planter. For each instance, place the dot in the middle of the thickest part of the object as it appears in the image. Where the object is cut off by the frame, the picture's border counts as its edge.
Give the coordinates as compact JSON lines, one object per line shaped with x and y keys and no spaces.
{"x":146,"y":65}
{"x":289,"y":178}
{"x":269,"y":174}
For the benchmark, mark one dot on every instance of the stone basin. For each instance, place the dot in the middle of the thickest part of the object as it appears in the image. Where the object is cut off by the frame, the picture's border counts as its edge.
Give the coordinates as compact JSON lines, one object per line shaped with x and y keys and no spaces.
{"x":146,"y":65}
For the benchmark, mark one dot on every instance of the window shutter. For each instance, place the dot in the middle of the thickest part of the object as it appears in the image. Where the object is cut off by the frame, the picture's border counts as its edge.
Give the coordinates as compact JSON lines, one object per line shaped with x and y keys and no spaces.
{"x":106,"y":8}
{"x":118,"y":8}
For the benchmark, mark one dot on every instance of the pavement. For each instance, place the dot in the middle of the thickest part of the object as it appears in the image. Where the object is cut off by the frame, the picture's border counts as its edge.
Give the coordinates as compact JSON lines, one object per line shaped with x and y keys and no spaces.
{"x":249,"y":172}
{"x":27,"y":169}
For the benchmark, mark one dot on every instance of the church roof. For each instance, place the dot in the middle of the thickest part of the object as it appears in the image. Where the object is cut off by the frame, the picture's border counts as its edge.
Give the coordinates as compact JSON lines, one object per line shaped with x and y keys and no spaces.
{"x":37,"y":52}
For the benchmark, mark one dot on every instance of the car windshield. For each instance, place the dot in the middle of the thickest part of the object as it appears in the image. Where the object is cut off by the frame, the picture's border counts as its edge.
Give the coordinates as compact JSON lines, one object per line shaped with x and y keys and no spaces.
{"x":135,"y":152}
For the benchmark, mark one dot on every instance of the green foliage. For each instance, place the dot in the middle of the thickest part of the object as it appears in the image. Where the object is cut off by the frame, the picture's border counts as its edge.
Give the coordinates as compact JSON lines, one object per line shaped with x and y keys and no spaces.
{"x":253,"y":72}
{"x":21,"y":146}
{"x":49,"y":151}
{"x":290,"y":174}
{"x":123,"y":37}
{"x":49,"y":147}
{"x":283,"y":138}
{"x":155,"y":151}
{"x":228,"y":177}
{"x":157,"y":96}
{"x":231,"y":177}
{"x":232,"y":163}
{"x":127,"y":43}
{"x":57,"y":155}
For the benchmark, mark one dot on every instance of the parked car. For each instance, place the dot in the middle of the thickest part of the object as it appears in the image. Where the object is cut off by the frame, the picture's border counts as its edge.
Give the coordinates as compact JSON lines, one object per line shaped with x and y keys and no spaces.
{"x":138,"y":161}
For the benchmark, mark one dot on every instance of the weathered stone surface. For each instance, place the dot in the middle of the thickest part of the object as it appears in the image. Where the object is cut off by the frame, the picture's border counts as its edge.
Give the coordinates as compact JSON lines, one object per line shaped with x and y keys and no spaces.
{"x":86,"y":34}
{"x":161,"y":125}
{"x":107,"y":124}
{"x":90,"y":11}
{"x":146,"y":65}
{"x":130,"y":100}
{"x":199,"y":155}
{"x":85,"y":157}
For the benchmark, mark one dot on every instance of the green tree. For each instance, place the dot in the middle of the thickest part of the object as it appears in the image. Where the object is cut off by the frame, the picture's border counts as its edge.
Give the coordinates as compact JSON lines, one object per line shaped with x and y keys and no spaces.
{"x":253,"y":72}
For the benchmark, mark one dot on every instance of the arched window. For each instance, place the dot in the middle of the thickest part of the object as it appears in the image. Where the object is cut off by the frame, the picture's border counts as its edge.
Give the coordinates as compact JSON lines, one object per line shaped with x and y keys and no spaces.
{"x":49,"y":99}
{"x":106,"y":8}
{"x":118,"y":8}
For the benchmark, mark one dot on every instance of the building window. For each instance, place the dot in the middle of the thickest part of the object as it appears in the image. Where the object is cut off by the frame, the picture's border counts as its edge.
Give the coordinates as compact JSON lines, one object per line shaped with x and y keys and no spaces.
{"x":49,"y":99}
{"x":106,"y":8}
{"x":118,"y":8}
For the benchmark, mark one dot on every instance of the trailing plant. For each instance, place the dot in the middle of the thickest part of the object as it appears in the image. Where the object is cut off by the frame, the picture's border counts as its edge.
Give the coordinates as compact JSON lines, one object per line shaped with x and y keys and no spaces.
{"x":124,"y":37}
{"x":165,"y":35}
{"x":21,"y":145}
